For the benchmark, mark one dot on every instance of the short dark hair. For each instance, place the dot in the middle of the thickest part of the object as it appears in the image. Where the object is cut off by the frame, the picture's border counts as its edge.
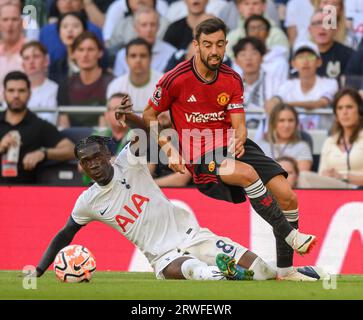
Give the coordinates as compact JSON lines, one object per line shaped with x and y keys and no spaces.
{"x":138,"y":42}
{"x":254,"y":42}
{"x":16,"y":75}
{"x":77,"y":15}
{"x":87,"y":35}
{"x":104,"y":142}
{"x":256,"y":17}
{"x":209,"y":26}
{"x":34,"y":44}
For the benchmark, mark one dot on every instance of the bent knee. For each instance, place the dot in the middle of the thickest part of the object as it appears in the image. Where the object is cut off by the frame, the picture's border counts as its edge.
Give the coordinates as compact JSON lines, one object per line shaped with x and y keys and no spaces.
{"x":237,"y":173}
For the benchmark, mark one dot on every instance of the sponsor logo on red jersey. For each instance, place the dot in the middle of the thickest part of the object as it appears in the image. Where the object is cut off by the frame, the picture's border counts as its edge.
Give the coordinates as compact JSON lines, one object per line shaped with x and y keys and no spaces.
{"x":198,"y":117}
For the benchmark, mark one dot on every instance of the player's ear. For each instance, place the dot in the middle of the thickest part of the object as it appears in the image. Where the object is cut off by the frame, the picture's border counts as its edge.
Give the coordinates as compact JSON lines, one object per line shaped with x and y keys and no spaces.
{"x":196,"y":46}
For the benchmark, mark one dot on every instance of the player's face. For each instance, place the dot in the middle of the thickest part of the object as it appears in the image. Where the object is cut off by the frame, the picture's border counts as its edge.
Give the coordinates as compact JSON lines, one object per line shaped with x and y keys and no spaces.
{"x":211,"y":48}
{"x":87,"y":55}
{"x":16,"y":94}
{"x":347,"y":113}
{"x":34,"y":61}
{"x":249,"y":59}
{"x":286,"y":125}
{"x":95,"y":161}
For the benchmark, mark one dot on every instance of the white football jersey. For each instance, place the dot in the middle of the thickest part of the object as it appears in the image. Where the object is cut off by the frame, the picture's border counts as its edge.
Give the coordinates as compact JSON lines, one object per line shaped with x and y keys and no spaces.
{"x":134,"y":205}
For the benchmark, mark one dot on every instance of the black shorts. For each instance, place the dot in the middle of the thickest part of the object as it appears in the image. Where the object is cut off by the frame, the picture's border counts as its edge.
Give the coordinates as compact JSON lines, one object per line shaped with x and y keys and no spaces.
{"x":207,"y":180}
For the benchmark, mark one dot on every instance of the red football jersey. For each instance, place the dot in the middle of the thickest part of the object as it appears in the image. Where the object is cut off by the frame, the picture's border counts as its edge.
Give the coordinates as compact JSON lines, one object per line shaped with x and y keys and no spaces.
{"x":198,"y":109}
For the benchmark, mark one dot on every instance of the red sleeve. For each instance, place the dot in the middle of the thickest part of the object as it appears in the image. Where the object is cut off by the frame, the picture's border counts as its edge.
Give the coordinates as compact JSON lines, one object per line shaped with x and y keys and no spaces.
{"x":161,"y":98}
{"x":235,"y":104}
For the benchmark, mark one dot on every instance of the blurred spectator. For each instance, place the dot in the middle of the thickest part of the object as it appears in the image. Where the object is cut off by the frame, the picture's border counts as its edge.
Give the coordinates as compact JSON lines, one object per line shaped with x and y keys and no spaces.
{"x":139,"y":83}
{"x":247,"y":9}
{"x":309,"y":91}
{"x":70,"y":26}
{"x":258,"y":85}
{"x":40,"y":140}
{"x":49,"y":34}
{"x":231,"y":13}
{"x":297,"y":19}
{"x":88,"y":87}
{"x":283,"y":137}
{"x":354,"y":70}
{"x":12,"y":40}
{"x":124,"y":29}
{"x":275,"y":62}
{"x":111,"y":128}
{"x":290,"y":165}
{"x":120,"y":9}
{"x":180,"y":33}
{"x":95,"y":9}
{"x":43,"y":90}
{"x":354,"y":16}
{"x":334,"y":55}
{"x":178,"y":9}
{"x":146,"y":23}
{"x":342,"y":152}
{"x":341,"y":35}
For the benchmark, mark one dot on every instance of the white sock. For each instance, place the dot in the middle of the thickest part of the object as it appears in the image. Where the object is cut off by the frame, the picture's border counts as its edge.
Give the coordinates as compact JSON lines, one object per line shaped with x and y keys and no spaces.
{"x":282,"y":272}
{"x":194,"y":269}
{"x":262,"y":270}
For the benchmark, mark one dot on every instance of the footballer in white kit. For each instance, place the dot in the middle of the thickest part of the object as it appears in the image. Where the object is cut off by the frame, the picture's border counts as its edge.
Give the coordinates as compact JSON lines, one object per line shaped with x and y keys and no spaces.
{"x":133,"y":204}
{"x":125,"y":197}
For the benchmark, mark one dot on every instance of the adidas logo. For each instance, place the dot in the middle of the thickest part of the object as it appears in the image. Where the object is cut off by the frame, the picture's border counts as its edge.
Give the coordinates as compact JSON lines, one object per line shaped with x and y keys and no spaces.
{"x":192,"y":99}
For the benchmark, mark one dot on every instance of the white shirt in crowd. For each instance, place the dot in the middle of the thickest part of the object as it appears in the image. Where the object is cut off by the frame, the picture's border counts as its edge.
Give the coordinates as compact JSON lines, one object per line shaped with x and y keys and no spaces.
{"x":161,"y":54}
{"x":45,"y":97}
{"x":299,"y":150}
{"x":298,"y":14}
{"x":291,"y":91}
{"x":178,"y":9}
{"x":135,"y":206}
{"x":116,"y":11}
{"x":139,"y":95}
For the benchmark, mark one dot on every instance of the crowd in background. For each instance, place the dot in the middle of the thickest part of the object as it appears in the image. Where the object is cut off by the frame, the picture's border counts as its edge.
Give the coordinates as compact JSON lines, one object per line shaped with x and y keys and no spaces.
{"x":297,"y":59}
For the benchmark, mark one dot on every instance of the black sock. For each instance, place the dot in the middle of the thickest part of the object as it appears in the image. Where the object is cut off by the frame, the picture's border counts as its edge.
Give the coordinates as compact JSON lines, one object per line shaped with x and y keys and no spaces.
{"x":267,"y":207}
{"x":284,"y":253}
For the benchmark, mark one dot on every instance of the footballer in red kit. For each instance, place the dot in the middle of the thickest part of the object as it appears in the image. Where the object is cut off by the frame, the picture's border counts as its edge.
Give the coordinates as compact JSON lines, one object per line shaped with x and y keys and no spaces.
{"x":205,"y":100}
{"x":195,"y":103}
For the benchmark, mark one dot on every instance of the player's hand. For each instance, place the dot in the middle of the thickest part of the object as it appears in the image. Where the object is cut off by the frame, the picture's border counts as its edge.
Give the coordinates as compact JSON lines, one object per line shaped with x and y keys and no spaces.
{"x":31,"y":159}
{"x":124,"y":108}
{"x":176,"y":163}
{"x":236,"y":144}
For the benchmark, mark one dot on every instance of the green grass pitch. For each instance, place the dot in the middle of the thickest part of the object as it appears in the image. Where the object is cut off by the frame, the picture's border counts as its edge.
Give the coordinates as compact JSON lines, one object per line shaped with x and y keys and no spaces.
{"x":137,"y":285}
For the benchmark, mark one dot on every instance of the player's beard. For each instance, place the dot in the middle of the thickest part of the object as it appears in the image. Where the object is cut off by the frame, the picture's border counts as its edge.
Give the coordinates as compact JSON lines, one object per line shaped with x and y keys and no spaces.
{"x":211,"y":67}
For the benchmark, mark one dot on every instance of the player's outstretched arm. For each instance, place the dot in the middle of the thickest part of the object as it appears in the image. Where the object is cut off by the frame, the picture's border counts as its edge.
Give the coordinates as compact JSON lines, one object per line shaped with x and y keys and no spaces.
{"x":61,"y":240}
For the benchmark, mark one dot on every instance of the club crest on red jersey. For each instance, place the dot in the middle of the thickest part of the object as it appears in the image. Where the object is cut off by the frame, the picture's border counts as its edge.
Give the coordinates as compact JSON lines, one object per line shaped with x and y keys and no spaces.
{"x":223,"y":99}
{"x":156,"y":96}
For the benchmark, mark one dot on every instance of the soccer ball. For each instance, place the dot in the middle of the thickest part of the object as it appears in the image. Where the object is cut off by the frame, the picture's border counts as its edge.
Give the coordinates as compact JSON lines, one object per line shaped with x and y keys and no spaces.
{"x":74,"y":263}
{"x":315,"y":272}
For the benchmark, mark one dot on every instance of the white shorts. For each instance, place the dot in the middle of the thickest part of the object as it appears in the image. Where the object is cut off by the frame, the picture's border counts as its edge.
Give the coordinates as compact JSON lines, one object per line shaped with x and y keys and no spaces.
{"x":204,"y":246}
